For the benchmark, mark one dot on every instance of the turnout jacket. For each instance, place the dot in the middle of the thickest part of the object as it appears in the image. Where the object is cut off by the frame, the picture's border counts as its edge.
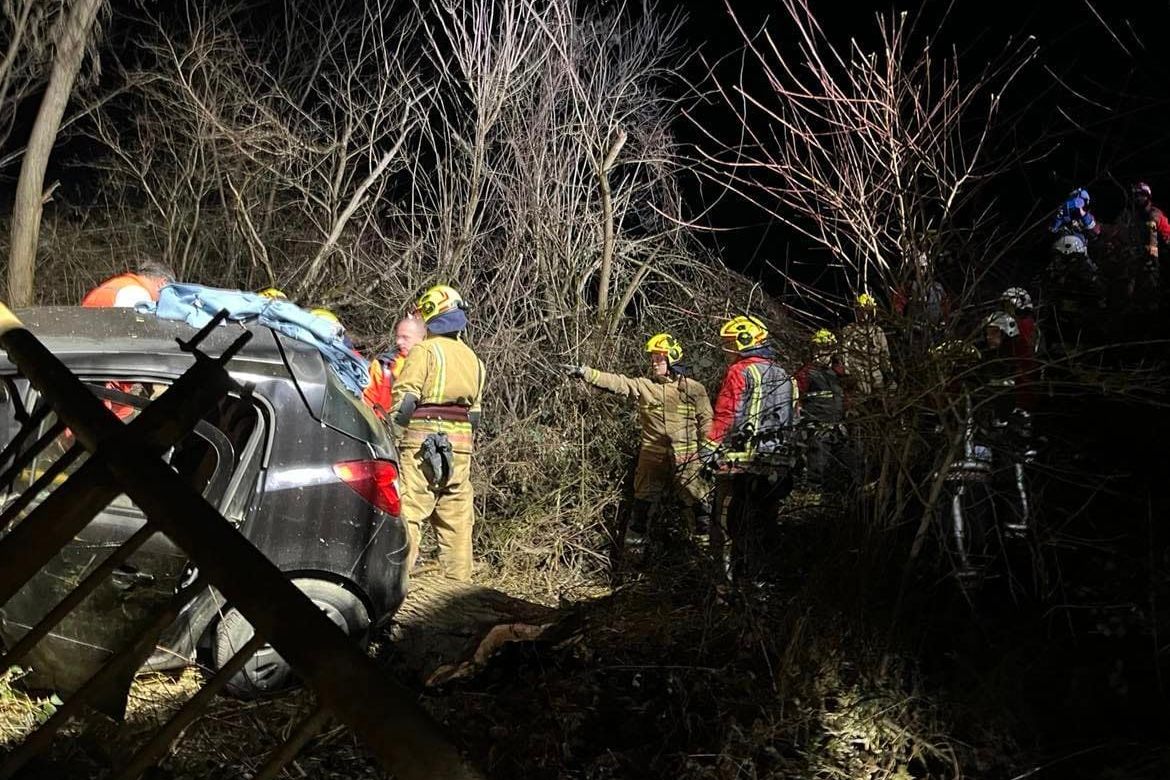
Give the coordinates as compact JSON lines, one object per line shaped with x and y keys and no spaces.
{"x":439,"y":390}
{"x":673,"y":412}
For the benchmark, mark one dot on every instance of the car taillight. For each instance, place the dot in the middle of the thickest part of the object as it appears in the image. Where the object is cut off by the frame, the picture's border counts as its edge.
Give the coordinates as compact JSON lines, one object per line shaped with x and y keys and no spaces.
{"x":373,"y":480}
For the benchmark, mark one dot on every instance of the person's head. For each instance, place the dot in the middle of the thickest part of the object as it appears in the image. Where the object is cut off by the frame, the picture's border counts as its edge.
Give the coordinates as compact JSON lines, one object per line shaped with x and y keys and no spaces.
{"x":1070,"y":247}
{"x":1016,"y":300}
{"x":865,"y":306}
{"x":999,"y":326}
{"x":824,"y":346}
{"x":274,"y":293}
{"x":409,"y":332}
{"x":741,"y":334}
{"x":665,"y":352}
{"x":442,"y":309}
{"x":325,"y":314}
{"x":160,"y":272}
{"x":1142,"y":195}
{"x":922,"y":263}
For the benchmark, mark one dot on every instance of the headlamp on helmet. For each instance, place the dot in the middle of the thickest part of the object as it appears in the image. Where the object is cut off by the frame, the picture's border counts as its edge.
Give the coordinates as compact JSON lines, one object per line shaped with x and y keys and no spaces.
{"x":1004,"y":322}
{"x":1070,"y":246}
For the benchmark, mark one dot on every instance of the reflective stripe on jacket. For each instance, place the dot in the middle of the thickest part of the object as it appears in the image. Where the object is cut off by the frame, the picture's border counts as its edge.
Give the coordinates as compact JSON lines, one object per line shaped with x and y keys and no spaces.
{"x":441,"y":371}
{"x":822,"y":396}
{"x":673,"y":412}
{"x":755,"y":398}
{"x":377,"y":394}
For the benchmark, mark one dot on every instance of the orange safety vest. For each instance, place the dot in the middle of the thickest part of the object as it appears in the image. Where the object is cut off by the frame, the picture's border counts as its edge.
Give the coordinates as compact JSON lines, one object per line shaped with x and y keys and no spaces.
{"x":105,"y":295}
{"x":378,"y":394}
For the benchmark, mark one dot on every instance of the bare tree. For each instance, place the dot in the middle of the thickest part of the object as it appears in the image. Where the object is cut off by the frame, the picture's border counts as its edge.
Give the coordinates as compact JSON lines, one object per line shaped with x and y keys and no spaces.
{"x":293,"y":152}
{"x":881,"y":156}
{"x":869,"y":151}
{"x":72,"y":35}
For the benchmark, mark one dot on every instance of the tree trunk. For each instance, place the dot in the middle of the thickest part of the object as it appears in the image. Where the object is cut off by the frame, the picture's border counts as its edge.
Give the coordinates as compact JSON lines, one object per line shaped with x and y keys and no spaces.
{"x":607,"y":237}
{"x":26,"y":208}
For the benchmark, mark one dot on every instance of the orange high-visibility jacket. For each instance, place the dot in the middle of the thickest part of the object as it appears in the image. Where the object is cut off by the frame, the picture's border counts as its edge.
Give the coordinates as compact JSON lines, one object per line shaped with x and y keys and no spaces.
{"x":123,"y":290}
{"x":378,"y":394}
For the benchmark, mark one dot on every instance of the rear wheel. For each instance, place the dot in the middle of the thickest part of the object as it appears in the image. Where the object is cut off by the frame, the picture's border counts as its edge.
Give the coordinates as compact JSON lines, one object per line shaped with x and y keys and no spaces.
{"x":266,"y":671}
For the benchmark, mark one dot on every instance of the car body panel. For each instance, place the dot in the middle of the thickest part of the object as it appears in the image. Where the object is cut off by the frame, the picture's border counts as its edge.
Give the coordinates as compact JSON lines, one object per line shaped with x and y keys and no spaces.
{"x":282,"y":493}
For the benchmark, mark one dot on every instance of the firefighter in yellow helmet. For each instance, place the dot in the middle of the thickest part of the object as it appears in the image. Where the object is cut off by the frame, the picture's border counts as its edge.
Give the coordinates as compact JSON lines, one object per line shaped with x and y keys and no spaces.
{"x":829,"y":457}
{"x":674,"y":412}
{"x":865,"y":351}
{"x":747,"y":444}
{"x":436,"y":410}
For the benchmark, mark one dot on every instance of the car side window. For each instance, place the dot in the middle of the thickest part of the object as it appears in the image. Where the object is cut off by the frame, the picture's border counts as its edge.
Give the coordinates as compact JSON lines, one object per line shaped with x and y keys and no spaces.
{"x":206,"y":458}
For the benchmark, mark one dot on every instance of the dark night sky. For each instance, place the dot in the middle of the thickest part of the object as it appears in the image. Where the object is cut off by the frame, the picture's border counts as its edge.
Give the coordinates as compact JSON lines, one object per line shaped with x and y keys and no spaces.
{"x":1120,"y":109}
{"x":1104,"y":136}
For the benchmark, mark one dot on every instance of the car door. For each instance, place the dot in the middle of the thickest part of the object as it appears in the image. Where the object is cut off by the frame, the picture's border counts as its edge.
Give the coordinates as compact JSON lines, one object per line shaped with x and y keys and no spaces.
{"x":120,"y":608}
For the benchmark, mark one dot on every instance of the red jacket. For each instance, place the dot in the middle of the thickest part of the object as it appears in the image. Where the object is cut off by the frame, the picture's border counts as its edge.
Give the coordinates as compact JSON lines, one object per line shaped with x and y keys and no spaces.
{"x":1022,"y":349}
{"x":756,"y":395}
{"x":124,"y":290}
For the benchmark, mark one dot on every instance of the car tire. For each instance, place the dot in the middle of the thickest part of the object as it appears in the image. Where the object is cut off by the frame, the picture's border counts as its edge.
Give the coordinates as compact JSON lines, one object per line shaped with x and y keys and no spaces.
{"x":266,"y":672}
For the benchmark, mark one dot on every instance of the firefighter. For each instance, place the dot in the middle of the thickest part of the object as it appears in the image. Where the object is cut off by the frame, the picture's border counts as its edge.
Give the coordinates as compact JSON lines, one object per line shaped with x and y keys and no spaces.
{"x":129,"y":289}
{"x":674,"y":413}
{"x":747,"y":445}
{"x":1074,"y":216}
{"x":822,"y":412}
{"x":384,"y":369}
{"x":1071,"y":292}
{"x":1144,"y":230}
{"x":865,"y":351}
{"x":436,"y":412}
{"x":922,"y":303}
{"x":330,"y":316}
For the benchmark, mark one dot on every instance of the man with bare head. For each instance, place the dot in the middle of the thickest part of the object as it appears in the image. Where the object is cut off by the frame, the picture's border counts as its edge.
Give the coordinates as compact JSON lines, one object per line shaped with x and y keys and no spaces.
{"x":409,"y":332}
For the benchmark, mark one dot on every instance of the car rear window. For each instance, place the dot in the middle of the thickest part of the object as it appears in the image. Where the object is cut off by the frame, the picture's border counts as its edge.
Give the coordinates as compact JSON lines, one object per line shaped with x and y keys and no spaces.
{"x":327,"y":398}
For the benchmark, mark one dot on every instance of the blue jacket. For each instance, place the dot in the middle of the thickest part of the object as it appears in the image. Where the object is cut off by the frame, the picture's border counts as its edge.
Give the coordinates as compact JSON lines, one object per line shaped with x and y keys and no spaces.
{"x":195,"y":305}
{"x":1074,"y":215}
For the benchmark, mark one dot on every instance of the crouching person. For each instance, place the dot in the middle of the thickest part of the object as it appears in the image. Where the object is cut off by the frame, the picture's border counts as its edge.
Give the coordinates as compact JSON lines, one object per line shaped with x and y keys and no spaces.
{"x":747,"y":446}
{"x":436,"y":410}
{"x":673,"y":414}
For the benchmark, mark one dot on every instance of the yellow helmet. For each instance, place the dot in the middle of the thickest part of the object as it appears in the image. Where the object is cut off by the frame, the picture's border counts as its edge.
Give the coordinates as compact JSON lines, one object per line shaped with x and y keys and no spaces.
{"x":867,"y":302}
{"x":824,"y":338}
{"x":747,"y":331}
{"x":440,"y":299}
{"x":325,"y":314}
{"x":273,"y":292}
{"x":665,"y":344}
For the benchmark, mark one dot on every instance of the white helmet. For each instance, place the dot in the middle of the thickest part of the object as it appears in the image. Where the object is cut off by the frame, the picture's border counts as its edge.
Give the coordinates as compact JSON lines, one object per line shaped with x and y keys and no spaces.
{"x":1005,"y":322}
{"x":1017,"y":297}
{"x":1070,"y":245}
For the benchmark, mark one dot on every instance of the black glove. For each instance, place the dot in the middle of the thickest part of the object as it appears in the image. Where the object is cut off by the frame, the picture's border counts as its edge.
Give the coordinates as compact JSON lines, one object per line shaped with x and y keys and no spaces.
{"x":709,"y":458}
{"x":574,"y":371}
